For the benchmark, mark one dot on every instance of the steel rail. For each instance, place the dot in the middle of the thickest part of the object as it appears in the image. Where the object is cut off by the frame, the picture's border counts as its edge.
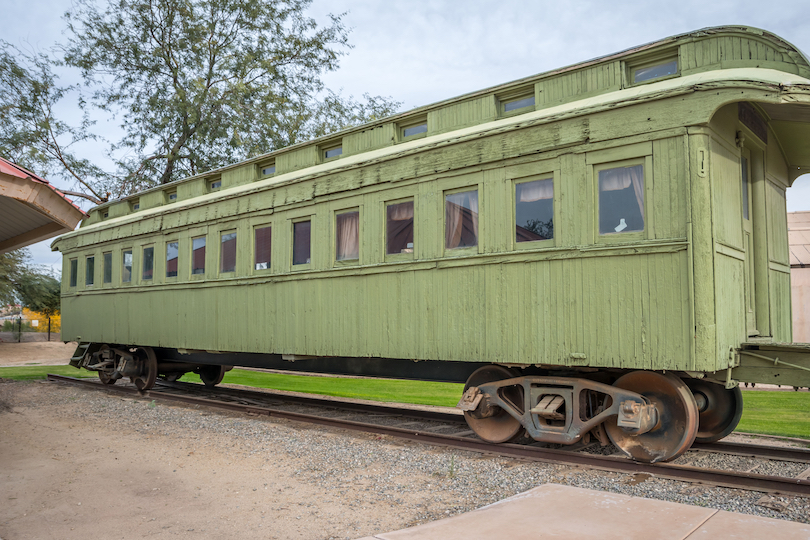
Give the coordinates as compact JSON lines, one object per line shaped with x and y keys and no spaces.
{"x":324,"y":401}
{"x":741,"y":449}
{"x":739,"y":480}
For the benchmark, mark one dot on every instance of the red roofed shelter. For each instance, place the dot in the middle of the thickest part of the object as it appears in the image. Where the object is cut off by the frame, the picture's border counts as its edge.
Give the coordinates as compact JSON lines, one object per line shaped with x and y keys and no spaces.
{"x":31,"y":209}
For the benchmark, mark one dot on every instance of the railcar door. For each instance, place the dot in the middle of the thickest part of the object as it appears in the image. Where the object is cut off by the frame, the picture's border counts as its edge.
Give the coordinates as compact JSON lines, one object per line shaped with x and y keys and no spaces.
{"x":748,"y":244}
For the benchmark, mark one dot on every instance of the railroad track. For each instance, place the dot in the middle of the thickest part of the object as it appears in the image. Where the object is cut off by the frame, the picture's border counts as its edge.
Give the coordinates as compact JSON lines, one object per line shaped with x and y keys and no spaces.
{"x":426,"y":426}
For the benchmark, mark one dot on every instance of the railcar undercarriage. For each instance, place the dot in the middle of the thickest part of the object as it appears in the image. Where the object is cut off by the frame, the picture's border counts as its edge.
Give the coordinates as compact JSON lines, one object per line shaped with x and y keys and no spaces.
{"x":648,"y":415}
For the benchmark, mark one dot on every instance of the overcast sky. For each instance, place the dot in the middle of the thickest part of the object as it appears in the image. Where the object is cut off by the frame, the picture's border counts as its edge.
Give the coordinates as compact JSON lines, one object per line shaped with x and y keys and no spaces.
{"x":419,"y":52}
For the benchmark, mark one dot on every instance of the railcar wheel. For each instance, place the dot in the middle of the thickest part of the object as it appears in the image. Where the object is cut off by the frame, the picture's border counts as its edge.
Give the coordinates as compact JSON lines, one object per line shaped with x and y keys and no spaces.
{"x":105,"y":375}
{"x":719,"y":409}
{"x":211,"y":375}
{"x":677,"y":418}
{"x":500,"y":427}
{"x":146,"y":380}
{"x":106,"y":378}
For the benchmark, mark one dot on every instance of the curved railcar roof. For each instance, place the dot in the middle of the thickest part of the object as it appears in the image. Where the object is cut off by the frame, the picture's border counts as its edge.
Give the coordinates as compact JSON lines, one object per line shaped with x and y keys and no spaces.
{"x":707,"y":58}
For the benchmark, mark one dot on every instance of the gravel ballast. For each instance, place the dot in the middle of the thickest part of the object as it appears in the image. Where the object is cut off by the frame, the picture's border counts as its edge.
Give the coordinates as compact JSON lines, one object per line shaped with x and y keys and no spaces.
{"x":286,"y":479}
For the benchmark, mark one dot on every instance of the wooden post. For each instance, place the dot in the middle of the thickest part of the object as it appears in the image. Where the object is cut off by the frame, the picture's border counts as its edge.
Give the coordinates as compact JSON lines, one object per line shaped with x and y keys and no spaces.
{"x":19,"y":327}
{"x":49,"y":328}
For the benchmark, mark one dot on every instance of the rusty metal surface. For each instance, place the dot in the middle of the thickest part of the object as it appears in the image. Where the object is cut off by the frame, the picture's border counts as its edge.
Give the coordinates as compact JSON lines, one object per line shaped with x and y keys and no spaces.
{"x":749,"y":481}
{"x":719,"y":409}
{"x":677,"y":418}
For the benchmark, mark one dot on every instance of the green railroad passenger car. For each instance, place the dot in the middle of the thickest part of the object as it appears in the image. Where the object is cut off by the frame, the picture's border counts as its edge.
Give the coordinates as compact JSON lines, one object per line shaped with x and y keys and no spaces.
{"x":598,"y":251}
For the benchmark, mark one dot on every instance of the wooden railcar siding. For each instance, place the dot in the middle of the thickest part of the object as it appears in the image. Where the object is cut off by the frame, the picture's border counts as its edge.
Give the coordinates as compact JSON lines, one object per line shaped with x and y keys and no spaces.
{"x":578,"y":84}
{"x":670,"y":297}
{"x":624,"y":310}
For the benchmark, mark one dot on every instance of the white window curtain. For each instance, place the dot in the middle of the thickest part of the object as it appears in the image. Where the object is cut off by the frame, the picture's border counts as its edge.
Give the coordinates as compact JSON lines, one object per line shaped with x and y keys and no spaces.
{"x":622,"y":178}
{"x":461,"y":219}
{"x":348,"y":236}
{"x":535,"y":191}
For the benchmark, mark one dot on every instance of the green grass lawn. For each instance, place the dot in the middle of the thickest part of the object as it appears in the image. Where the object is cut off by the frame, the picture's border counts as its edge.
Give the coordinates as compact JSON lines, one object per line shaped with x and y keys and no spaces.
{"x":420,"y":392}
{"x":29,"y":373}
{"x":773,"y":413}
{"x":776,"y":413}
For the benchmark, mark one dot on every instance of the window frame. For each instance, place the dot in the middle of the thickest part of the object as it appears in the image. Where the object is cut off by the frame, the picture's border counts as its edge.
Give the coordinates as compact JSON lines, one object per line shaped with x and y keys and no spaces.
{"x":399,"y":257}
{"x":261,"y":167}
{"x":293,"y":221}
{"x":223,"y":232}
{"x":73,"y":273}
{"x":554,"y":176}
{"x":166,"y":275}
{"x":131,"y":252}
{"x":194,"y":236}
{"x":630,"y":236}
{"x":466,"y":250}
{"x":90,"y":274}
{"x":104,"y":266}
{"x":142,"y":280}
{"x":346,"y":262}
{"x":409,"y":124}
{"x":328,"y":147}
{"x":516,"y":95}
{"x":254,"y":227}
{"x":648,"y":61}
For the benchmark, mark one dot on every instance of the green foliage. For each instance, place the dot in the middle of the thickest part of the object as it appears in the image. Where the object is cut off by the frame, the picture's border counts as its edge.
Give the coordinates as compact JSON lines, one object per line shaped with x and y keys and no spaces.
{"x":12,"y":268}
{"x":40,"y":293}
{"x":30,"y":133}
{"x":203,"y":83}
{"x":19,"y":281}
{"x":776,"y":413}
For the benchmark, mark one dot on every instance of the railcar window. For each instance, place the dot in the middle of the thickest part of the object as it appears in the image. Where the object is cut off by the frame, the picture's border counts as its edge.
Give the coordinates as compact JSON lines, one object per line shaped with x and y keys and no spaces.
{"x":461,"y":219}
{"x":330,"y":153}
{"x":227,"y":253}
{"x":107,"y":278}
{"x":263,"y":244}
{"x":655,"y":72}
{"x":534,"y":210}
{"x":198,"y":255}
{"x":301,"y":242}
{"x":74,"y":271}
{"x":148,"y":263}
{"x":172,"y":256}
{"x":621,"y":199}
{"x":216,"y":184}
{"x":136,"y":206}
{"x":267,"y":171}
{"x":399,"y":228}
{"x":89,"y":270}
{"x":410,"y":131}
{"x":126,"y":270}
{"x":518,"y":103}
{"x":172,"y":196}
{"x":348,"y":236}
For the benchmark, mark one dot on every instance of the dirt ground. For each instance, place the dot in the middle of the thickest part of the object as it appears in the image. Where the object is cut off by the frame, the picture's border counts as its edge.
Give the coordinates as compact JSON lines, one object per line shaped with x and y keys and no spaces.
{"x":63,"y":476}
{"x":40,"y":353}
{"x":76,"y":464}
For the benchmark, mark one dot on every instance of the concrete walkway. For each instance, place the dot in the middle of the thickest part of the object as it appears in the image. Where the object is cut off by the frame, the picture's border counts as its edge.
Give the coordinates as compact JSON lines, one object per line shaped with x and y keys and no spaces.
{"x":556,"y":511}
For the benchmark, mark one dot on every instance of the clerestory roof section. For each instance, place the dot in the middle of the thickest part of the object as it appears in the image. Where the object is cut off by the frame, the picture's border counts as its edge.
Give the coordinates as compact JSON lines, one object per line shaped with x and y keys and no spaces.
{"x":31,"y":209}
{"x":707,"y":60}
